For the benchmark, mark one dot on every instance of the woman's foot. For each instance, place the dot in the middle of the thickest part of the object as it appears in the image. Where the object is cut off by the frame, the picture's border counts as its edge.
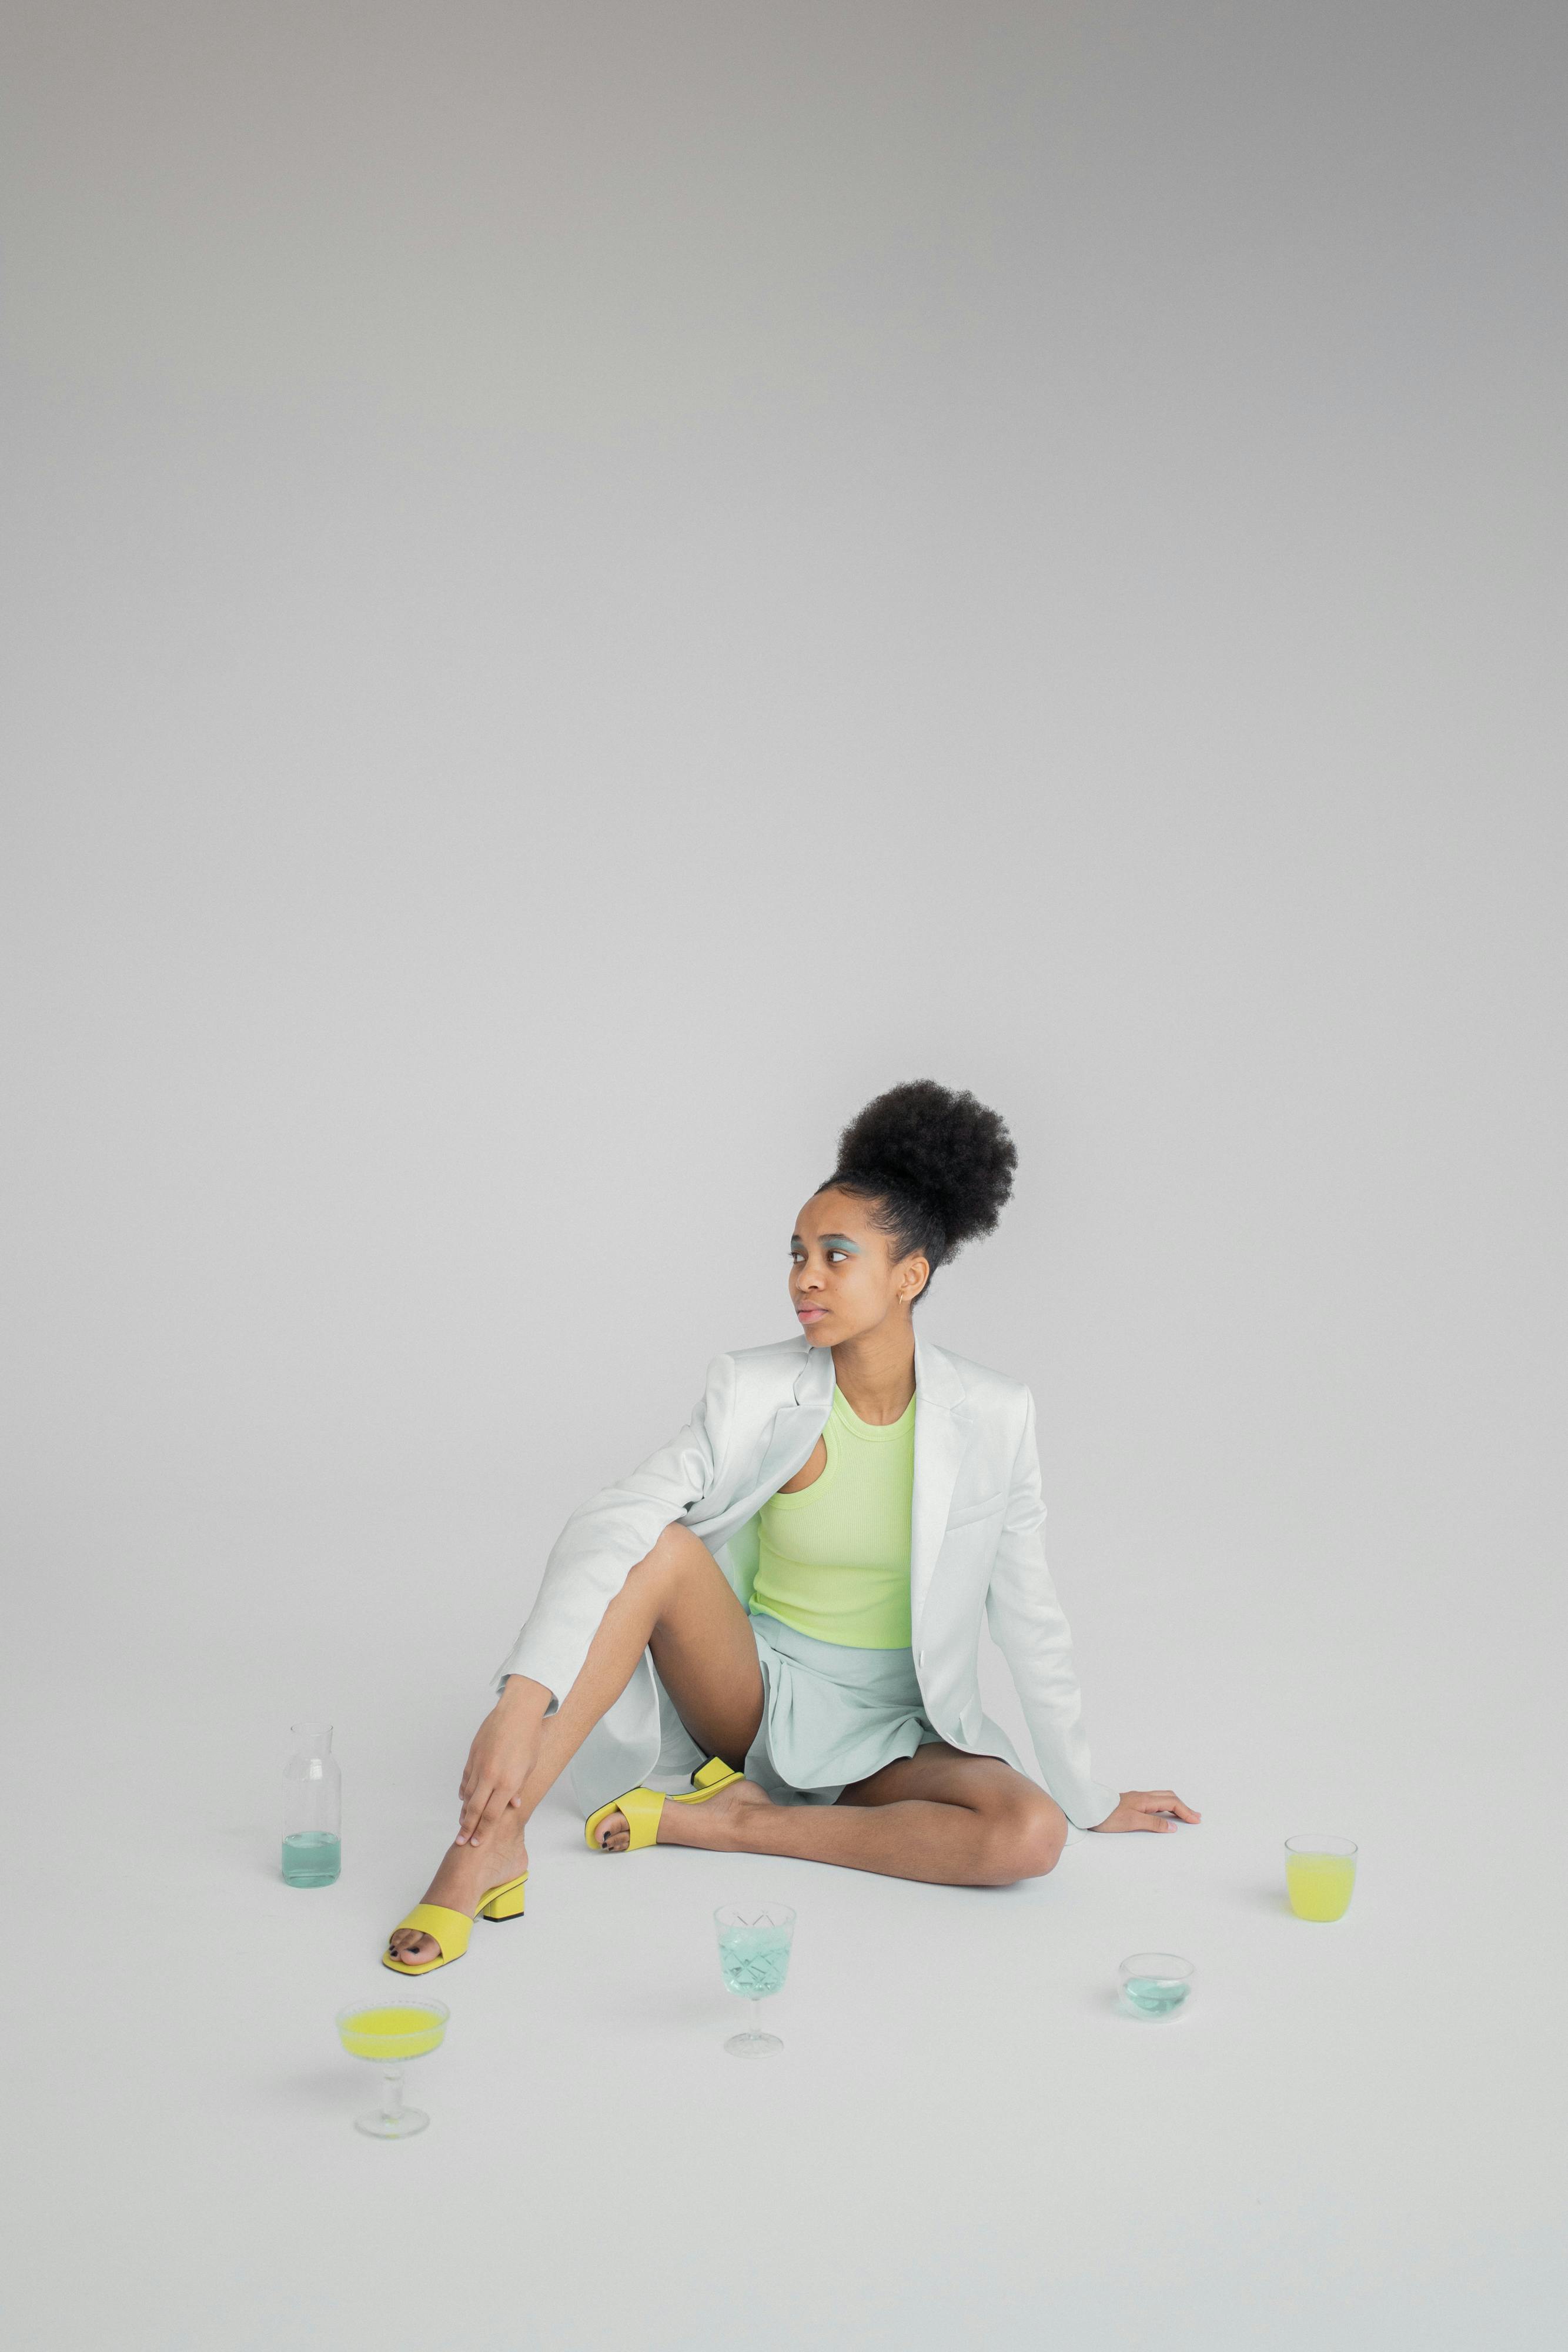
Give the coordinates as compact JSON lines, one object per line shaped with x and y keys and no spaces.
{"x":716,"y":1823}
{"x":466,"y":1872}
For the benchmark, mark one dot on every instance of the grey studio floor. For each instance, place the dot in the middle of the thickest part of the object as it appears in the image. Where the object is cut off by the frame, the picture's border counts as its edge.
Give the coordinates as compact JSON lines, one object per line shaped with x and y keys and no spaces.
{"x":588,"y":586}
{"x":963,"y":2141}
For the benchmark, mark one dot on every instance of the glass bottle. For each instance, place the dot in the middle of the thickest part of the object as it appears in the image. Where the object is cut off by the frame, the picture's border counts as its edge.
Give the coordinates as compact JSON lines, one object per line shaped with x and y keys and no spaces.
{"x":312,"y":1808}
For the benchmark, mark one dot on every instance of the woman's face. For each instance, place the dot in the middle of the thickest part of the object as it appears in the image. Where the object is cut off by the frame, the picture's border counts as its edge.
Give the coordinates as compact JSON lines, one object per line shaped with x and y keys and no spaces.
{"x":844,"y":1277}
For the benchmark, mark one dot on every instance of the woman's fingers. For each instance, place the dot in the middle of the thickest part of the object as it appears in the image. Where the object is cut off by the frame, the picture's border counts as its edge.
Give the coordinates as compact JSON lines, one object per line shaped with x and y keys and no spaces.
{"x":485,"y":1809}
{"x":492,"y":1815}
{"x":493,"y":1777}
{"x":1156,"y":1808}
{"x":1165,"y":1801}
{"x":474,"y":1805}
{"x":1149,"y":1809}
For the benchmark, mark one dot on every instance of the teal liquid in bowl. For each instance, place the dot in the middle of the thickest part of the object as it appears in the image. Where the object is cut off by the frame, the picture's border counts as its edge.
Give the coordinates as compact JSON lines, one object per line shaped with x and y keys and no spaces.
{"x":1155,"y":1996}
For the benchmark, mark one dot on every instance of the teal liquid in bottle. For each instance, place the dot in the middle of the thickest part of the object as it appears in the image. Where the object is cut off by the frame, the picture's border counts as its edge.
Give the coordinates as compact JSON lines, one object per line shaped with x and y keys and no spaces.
{"x":311,"y":1858}
{"x":312,"y":1809}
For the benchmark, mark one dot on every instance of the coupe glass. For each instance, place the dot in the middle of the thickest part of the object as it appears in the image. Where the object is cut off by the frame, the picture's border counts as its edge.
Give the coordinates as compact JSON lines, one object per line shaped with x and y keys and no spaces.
{"x":754,"y":1954}
{"x":387,"y":2035}
{"x":1156,"y":1984}
{"x":1319,"y":1875}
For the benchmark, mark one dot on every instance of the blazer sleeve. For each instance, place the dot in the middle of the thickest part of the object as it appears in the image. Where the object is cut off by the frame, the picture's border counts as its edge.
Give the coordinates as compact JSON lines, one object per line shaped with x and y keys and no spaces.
{"x":1028,"y":1627}
{"x":607,"y":1536}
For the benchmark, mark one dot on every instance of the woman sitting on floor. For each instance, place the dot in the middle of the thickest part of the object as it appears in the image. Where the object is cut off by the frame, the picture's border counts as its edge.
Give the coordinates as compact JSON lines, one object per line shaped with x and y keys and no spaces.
{"x":791,"y":1588}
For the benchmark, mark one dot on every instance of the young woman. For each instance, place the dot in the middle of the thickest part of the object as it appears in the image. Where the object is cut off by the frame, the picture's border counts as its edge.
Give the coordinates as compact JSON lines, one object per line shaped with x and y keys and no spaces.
{"x":793,"y":1588}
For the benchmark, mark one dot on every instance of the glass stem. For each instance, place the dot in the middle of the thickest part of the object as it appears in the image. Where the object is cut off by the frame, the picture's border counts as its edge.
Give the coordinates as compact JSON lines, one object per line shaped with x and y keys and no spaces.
{"x":756,"y":2018}
{"x":391,"y":2094}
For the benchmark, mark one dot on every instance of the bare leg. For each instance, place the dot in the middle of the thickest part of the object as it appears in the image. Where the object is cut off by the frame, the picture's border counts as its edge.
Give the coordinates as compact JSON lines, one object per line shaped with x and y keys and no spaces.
{"x":938,"y":1815}
{"x":677,"y":1601}
{"x":680,"y":1606}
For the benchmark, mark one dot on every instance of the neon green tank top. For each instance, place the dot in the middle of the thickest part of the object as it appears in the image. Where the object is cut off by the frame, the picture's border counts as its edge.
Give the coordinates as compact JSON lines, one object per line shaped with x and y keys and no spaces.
{"x":833,"y":1560}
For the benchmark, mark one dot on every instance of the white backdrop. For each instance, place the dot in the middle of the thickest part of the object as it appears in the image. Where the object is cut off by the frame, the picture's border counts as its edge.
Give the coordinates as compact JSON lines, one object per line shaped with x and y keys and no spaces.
{"x":588,"y":587}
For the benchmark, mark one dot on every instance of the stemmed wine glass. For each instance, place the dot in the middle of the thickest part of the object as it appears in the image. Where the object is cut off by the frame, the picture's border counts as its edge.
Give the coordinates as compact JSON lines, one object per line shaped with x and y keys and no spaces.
{"x":754,"y":1954}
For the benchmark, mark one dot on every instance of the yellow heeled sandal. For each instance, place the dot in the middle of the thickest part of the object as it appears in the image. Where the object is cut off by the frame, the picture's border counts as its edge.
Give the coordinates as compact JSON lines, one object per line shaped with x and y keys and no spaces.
{"x":453,"y":1928}
{"x":643,"y":1807}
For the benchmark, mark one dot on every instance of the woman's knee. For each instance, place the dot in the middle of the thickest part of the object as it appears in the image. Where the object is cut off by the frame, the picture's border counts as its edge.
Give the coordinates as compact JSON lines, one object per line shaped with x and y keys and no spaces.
{"x":677,"y":1554}
{"x":1024,"y":1839}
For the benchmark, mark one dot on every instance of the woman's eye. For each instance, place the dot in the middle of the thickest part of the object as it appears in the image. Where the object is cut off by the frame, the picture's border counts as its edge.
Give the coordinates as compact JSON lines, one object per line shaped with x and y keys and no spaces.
{"x":833,"y":1254}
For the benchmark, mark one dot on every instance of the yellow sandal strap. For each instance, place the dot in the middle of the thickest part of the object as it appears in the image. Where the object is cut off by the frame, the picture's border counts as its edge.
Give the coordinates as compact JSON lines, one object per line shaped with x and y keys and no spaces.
{"x":451,"y":1930}
{"x":642,"y":1808}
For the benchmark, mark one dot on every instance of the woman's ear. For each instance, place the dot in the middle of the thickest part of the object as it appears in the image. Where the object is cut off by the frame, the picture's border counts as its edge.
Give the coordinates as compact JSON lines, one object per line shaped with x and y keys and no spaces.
{"x":914,"y":1276}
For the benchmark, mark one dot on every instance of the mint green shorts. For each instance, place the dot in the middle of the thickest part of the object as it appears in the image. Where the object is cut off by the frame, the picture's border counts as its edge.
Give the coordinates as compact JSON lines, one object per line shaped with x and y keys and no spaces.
{"x":830,"y":1715}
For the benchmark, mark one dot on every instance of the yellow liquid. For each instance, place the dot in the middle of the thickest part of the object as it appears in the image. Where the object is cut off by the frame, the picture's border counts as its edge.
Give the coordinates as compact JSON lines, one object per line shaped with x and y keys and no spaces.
{"x":391,"y":2033}
{"x":1320,"y":1884}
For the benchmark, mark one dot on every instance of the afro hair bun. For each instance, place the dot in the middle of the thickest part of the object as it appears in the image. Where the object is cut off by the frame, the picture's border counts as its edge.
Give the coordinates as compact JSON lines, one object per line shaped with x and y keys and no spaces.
{"x":942,"y":1163}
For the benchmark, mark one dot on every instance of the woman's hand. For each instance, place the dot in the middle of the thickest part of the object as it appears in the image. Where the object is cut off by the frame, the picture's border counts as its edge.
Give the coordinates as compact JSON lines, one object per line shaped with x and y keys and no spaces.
{"x":1149,"y":1809}
{"x":505,"y":1748}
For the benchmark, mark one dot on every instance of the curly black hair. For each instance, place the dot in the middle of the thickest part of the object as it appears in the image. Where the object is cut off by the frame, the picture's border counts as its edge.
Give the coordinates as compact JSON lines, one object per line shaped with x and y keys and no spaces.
{"x":938,"y":1166}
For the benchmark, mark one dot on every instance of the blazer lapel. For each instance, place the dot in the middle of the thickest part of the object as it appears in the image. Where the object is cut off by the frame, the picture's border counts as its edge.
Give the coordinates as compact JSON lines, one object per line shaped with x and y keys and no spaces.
{"x":798,"y":1425}
{"x":941,"y":1435}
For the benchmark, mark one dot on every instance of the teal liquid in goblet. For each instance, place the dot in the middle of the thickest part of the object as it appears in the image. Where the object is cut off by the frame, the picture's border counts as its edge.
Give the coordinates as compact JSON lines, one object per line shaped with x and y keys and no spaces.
{"x":1155,"y":1996}
{"x":311,"y":1858}
{"x":754,"y":1960}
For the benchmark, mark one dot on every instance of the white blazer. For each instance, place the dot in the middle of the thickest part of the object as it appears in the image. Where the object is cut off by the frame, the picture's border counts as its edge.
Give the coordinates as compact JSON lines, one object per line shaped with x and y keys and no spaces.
{"x":975,"y":1544}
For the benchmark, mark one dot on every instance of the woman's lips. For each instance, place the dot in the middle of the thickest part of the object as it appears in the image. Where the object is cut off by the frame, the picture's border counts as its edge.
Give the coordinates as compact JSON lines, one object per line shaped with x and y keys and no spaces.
{"x":810,"y":1314}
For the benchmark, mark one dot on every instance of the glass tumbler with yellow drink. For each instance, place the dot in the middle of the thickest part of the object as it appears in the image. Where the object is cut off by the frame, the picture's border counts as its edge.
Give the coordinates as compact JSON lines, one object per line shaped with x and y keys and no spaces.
{"x":1320,"y":1876}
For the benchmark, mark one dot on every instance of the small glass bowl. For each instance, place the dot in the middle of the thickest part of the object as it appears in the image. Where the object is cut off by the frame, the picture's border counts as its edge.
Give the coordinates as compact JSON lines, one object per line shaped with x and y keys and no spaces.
{"x":1156,"y":1985}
